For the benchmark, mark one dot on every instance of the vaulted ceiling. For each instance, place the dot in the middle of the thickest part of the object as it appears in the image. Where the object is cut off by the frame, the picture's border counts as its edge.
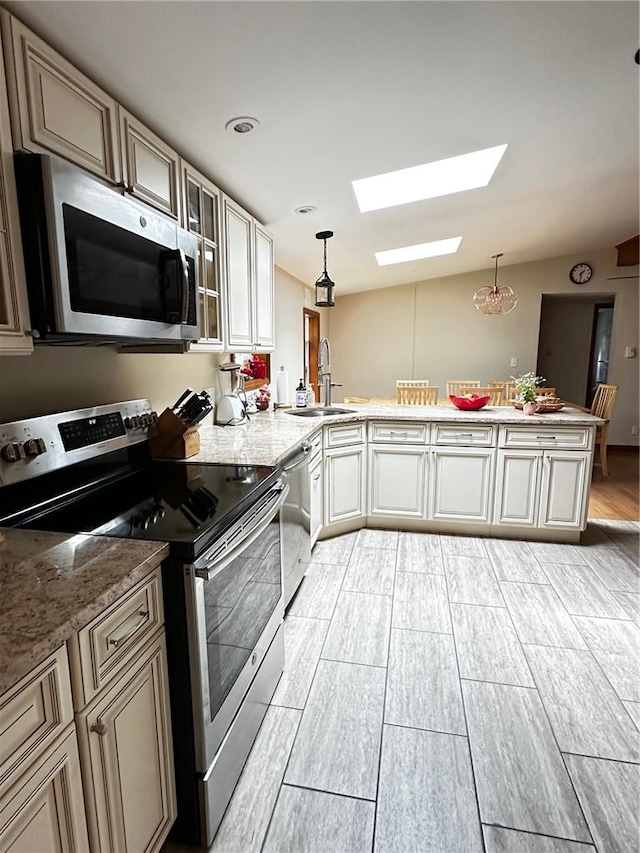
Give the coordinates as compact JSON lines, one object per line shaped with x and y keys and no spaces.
{"x":346,"y":90}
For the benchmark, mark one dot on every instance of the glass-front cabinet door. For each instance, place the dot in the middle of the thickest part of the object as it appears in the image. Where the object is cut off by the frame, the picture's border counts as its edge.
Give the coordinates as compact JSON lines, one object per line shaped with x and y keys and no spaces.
{"x":201,"y":216}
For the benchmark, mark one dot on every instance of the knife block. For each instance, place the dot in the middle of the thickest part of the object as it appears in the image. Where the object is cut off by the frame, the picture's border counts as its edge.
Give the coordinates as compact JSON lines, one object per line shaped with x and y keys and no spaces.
{"x":171,"y":438}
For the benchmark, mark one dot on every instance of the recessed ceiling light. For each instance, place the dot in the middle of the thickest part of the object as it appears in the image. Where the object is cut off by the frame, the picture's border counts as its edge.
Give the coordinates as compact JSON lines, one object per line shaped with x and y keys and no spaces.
{"x":306,"y":208}
{"x":421,"y":250}
{"x":242,"y":124}
{"x":442,"y":177}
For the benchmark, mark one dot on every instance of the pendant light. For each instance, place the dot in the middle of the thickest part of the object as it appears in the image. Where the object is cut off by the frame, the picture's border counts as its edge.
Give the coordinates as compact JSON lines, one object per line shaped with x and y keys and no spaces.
{"x":324,"y":285}
{"x":495,"y":300}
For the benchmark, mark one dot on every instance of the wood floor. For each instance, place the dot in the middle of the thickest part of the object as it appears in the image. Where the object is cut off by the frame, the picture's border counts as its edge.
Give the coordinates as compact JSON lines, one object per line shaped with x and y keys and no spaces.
{"x":616,"y":496}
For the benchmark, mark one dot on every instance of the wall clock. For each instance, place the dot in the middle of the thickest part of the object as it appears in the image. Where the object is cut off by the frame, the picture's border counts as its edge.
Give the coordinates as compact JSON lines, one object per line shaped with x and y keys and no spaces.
{"x":580,"y":273}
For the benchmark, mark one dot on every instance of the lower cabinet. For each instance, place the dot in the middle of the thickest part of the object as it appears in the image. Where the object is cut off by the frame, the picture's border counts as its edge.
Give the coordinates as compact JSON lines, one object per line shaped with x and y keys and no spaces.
{"x":397,"y":481}
{"x":565,"y":488}
{"x":315,"y":497}
{"x":105,"y":781}
{"x":344,"y":485}
{"x":542,"y":488}
{"x":462,"y":483}
{"x":44,"y":810}
{"x":127,"y":764}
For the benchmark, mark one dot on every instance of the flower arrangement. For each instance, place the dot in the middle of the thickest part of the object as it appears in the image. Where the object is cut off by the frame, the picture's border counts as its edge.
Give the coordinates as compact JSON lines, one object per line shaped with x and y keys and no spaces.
{"x":527,"y":385}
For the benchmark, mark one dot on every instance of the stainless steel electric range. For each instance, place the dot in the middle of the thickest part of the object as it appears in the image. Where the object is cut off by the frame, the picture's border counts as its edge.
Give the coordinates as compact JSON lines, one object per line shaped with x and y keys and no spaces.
{"x":89,"y":471}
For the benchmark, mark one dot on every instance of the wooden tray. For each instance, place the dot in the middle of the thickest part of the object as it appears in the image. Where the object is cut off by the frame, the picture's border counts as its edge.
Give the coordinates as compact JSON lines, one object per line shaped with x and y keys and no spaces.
{"x":542,"y":407}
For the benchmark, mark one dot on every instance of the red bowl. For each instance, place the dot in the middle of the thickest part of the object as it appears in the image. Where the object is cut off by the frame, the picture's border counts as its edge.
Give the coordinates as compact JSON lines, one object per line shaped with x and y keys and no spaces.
{"x":470,"y":404}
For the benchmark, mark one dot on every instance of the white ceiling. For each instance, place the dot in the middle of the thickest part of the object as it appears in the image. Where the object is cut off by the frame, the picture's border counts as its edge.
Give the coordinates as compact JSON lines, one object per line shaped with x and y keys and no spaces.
{"x":346,"y":90}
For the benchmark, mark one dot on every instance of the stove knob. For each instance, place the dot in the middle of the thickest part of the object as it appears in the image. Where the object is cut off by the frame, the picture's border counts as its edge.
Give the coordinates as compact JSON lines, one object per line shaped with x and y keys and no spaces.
{"x":35,"y":446}
{"x":12,"y":452}
{"x":132,"y":422}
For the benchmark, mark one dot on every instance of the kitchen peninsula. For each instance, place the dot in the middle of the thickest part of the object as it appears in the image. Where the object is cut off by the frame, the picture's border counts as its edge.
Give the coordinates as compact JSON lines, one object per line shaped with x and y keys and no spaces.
{"x":494,"y":472}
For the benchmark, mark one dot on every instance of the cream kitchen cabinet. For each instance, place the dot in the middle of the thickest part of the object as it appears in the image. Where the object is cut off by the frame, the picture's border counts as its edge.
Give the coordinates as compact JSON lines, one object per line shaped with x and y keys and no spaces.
{"x":127,"y":765}
{"x":344,"y":484}
{"x":120,"y":690}
{"x":543,"y":488}
{"x":44,"y":810}
{"x":249,"y":275}
{"x":201,"y":216}
{"x":55,"y":108}
{"x":316,"y":490}
{"x":543,"y":477}
{"x":461,"y":480}
{"x":345,"y":472}
{"x":14,"y":309}
{"x":41,"y":799}
{"x":150,"y":168}
{"x":117,"y":791}
{"x":397,"y":479}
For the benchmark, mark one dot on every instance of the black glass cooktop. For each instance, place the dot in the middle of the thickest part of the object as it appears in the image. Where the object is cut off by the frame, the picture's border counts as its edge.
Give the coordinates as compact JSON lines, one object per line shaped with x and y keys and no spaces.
{"x":185,"y":504}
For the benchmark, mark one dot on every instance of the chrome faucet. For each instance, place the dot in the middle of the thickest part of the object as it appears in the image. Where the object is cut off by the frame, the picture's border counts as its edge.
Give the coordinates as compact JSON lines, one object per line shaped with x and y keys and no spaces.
{"x":324,"y":371}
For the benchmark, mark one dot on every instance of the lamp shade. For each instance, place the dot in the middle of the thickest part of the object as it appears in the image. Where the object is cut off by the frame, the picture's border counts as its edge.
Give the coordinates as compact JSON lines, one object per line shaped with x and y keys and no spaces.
{"x":497,"y":299}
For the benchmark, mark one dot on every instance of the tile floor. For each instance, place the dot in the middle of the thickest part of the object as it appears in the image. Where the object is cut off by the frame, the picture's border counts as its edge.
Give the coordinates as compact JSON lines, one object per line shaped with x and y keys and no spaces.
{"x":453,"y":694}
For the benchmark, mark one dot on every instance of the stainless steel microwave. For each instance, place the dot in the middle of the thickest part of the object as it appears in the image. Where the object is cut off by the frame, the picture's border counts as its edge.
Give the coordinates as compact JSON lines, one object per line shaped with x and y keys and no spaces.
{"x":101,"y":267}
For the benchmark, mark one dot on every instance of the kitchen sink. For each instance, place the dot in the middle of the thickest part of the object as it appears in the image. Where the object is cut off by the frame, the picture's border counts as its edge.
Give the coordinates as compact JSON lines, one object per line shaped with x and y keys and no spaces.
{"x":320,"y":412}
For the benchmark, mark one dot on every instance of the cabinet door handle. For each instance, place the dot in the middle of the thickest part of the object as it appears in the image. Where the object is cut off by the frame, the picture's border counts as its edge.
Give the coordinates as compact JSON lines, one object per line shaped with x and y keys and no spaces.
{"x":316,"y":478}
{"x":119,"y":641}
{"x":394,"y":432}
{"x":546,"y":438}
{"x":99,"y":728}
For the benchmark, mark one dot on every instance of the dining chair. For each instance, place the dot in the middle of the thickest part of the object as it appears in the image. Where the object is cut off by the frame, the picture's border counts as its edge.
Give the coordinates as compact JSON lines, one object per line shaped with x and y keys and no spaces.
{"x":454,"y":385}
{"x":356,"y":400}
{"x":509,"y":391}
{"x":497,"y":383}
{"x":602,"y":407}
{"x":412,"y":391}
{"x":496,"y":394}
{"x":426,"y":396}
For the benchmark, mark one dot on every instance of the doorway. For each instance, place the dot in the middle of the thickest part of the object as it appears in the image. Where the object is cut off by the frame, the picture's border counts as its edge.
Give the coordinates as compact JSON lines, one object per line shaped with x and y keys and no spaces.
{"x":570,"y":341}
{"x":311,"y":337}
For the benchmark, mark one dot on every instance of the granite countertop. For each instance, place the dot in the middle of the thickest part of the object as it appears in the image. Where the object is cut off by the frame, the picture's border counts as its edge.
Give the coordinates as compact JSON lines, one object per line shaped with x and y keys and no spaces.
{"x":52,"y":584}
{"x":270,"y":436}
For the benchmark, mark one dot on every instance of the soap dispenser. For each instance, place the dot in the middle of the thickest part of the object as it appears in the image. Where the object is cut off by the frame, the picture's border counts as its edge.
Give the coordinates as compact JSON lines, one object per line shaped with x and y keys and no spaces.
{"x":301,"y":395}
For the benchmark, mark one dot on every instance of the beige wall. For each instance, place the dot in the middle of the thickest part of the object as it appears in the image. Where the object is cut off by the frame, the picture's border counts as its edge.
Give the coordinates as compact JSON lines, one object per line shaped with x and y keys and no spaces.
{"x":431,"y":330}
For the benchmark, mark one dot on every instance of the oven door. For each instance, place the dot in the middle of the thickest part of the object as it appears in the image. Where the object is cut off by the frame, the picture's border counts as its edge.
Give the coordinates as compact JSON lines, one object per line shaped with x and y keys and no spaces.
{"x":234,"y":609}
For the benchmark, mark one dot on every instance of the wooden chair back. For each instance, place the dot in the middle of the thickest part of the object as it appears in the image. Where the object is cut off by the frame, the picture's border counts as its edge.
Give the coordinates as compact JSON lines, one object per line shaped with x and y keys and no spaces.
{"x":496,"y":394}
{"x":356,"y":399}
{"x":427,"y":396}
{"x":413,"y":392}
{"x":603,"y":401}
{"x":602,"y":407}
{"x":454,"y":385}
{"x":497,"y":383}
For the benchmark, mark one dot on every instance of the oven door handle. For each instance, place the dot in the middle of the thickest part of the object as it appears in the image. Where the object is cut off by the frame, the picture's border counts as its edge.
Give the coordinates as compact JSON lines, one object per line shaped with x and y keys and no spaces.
{"x":261,"y":521}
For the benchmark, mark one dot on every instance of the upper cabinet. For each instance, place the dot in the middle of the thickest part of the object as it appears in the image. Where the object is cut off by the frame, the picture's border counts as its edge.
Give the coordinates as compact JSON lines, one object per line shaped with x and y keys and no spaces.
{"x":149,"y":165}
{"x":55,"y":108}
{"x":201,"y":216}
{"x":249,"y":279}
{"x":14,"y":311}
{"x":58,"y":109}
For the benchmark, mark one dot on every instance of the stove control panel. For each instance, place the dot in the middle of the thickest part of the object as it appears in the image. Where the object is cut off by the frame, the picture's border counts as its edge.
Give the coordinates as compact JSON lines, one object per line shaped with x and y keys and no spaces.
{"x":32,"y":447}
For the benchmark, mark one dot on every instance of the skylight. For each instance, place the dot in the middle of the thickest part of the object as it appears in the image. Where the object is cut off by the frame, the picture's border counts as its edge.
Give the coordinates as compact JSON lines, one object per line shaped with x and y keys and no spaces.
{"x":442,"y":177}
{"x":421,"y":250}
